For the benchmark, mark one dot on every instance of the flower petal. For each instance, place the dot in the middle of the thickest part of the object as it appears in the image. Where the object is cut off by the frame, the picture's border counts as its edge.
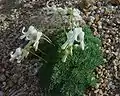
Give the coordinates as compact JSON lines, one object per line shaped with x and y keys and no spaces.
{"x":65,"y":45}
{"x":82,"y":45}
{"x":16,"y":55}
{"x":39,"y":34}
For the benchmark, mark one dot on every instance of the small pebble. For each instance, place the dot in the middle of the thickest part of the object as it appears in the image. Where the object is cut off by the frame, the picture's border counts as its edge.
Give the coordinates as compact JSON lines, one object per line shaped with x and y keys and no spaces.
{"x":2,"y":77}
{"x":1,"y":93}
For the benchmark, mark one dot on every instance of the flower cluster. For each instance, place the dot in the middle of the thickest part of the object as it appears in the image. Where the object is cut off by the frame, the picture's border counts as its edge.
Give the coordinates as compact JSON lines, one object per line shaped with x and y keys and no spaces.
{"x":73,"y":18}
{"x":69,"y":15}
{"x":16,"y":55}
{"x":73,"y":35}
{"x":33,"y":36}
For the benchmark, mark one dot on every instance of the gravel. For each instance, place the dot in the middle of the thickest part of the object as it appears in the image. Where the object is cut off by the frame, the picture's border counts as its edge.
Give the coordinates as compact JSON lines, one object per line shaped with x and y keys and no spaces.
{"x":108,"y":27}
{"x":16,"y":79}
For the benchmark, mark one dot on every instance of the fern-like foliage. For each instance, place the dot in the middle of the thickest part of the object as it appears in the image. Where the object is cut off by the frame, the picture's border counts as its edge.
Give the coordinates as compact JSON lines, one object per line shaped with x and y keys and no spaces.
{"x":77,"y":73}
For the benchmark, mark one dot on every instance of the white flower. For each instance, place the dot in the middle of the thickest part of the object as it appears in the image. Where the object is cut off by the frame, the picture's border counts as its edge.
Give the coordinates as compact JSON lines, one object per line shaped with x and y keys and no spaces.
{"x":33,"y":35}
{"x":16,"y":55}
{"x":39,"y":34}
{"x":76,"y":35}
{"x":79,"y":36}
{"x":73,"y":35}
{"x":70,"y":40}
{"x":19,"y":55}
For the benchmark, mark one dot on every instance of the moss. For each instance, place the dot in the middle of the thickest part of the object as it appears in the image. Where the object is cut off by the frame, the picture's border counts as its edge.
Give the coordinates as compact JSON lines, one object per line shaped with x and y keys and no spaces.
{"x":77,"y":73}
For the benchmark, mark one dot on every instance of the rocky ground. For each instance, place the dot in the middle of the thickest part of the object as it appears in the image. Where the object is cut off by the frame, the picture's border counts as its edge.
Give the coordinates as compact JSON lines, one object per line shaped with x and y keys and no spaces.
{"x":106,"y":26}
{"x":21,"y":80}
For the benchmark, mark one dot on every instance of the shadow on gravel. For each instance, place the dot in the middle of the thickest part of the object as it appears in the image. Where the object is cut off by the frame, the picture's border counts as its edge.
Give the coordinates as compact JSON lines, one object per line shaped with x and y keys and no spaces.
{"x":45,"y":71}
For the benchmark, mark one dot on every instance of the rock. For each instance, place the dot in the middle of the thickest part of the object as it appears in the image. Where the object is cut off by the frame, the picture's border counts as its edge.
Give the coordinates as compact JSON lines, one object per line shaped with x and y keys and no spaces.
{"x":115,"y":2}
{"x":84,"y":4}
{"x":97,"y":85}
{"x":1,"y":7}
{"x":110,"y":85}
{"x":118,"y":21}
{"x":113,"y":86}
{"x":117,"y":95}
{"x":107,"y":51}
{"x":14,"y":78}
{"x":2,"y":17}
{"x":2,"y":77}
{"x":21,"y":81}
{"x":101,"y":92}
{"x":99,"y":25}
{"x":10,"y":83}
{"x":1,"y":93}
{"x":96,"y":91}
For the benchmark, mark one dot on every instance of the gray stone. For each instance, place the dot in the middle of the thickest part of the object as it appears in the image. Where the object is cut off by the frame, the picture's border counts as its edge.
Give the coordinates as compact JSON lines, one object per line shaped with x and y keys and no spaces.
{"x":2,"y":77}
{"x":1,"y":93}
